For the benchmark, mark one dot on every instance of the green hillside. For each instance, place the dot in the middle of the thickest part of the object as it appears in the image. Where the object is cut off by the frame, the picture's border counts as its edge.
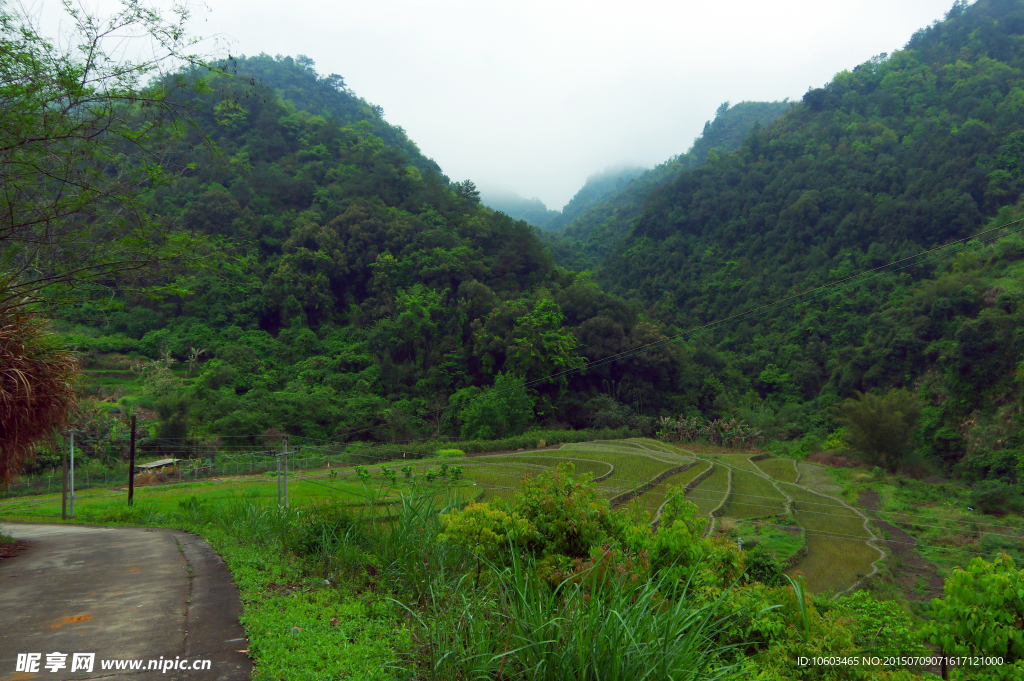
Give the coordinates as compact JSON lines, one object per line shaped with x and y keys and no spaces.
{"x":597,"y":189}
{"x":363,"y":294}
{"x":515,"y":206}
{"x":901,"y":154}
{"x":593,"y":228}
{"x":361,"y":287}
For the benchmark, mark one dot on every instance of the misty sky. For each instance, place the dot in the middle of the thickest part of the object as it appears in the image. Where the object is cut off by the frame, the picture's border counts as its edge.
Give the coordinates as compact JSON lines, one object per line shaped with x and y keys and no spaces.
{"x":534,"y":96}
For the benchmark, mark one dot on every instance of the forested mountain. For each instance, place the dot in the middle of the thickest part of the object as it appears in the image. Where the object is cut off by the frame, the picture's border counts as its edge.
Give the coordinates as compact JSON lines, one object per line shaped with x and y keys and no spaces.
{"x":902,"y":153}
{"x":518,"y":208}
{"x":596,"y":224}
{"x":364,"y":290}
{"x":596,"y":189}
{"x":297,"y":82}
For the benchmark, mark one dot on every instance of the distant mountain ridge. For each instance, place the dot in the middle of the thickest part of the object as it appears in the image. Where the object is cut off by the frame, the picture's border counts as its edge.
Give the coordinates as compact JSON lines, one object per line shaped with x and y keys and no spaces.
{"x":592,"y":233}
{"x":598,"y":187}
{"x":517,"y":207}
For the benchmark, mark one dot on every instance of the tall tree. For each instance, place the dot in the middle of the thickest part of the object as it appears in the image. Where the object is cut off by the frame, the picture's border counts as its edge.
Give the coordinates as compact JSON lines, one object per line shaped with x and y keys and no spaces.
{"x":82,"y":143}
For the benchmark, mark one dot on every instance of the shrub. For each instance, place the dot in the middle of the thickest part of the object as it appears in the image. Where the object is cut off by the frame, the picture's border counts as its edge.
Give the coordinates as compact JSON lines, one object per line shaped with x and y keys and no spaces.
{"x":995,"y":497}
{"x":501,"y":410}
{"x":568,"y":513}
{"x":762,"y":566}
{"x":446,"y":453}
{"x":882,"y":627}
{"x":980,"y":615}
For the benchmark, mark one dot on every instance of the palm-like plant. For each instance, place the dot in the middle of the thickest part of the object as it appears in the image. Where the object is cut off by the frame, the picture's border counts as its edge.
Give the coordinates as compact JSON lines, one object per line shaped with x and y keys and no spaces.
{"x":37,"y":387}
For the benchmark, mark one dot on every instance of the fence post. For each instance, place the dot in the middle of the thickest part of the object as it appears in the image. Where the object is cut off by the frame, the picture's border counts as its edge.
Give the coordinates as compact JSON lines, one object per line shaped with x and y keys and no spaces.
{"x":71,"y":479}
{"x":131,"y":465}
{"x":63,"y":484}
{"x":279,"y":480}
{"x":286,"y":471}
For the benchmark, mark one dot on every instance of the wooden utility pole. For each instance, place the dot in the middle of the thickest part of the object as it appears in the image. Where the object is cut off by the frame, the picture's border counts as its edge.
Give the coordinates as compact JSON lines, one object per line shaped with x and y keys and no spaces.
{"x":131,"y":465}
{"x":64,"y":484}
{"x":71,"y":479}
{"x":286,"y":471}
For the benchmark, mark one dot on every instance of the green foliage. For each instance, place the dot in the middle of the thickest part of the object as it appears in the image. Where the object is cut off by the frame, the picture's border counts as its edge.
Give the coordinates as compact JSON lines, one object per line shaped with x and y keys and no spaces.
{"x":995,"y":497}
{"x":763,"y":567}
{"x":446,"y":453}
{"x":567,"y":513}
{"x":881,"y":428}
{"x":981,"y":614}
{"x":883,"y":628}
{"x":503,"y":409}
{"x":482,"y":530}
{"x":593,"y":222}
{"x":69,"y":115}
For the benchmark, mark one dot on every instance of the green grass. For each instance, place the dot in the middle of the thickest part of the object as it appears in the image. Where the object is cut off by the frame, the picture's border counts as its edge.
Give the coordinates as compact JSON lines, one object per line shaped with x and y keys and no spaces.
{"x":783,"y":541}
{"x":581,"y":465}
{"x":361,"y":645}
{"x":739,"y":460}
{"x":783,"y":470}
{"x":708,"y":495}
{"x":753,"y":497}
{"x":837,"y":552}
{"x":817,"y":478}
{"x":344,"y":490}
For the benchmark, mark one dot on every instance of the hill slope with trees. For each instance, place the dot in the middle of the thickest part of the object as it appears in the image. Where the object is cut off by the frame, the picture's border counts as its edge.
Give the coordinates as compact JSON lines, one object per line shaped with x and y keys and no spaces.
{"x":903,"y":153}
{"x":588,"y":233}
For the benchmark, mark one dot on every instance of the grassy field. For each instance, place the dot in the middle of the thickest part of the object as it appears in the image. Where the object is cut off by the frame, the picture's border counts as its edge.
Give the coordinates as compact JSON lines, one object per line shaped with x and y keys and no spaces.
{"x":344,"y":489}
{"x":783,"y":470}
{"x":817,"y":478}
{"x":836,"y":538}
{"x":754,"y":496}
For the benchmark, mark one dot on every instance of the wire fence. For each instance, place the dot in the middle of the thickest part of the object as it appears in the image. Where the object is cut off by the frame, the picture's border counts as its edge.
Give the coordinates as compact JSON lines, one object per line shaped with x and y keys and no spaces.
{"x":92,"y":473}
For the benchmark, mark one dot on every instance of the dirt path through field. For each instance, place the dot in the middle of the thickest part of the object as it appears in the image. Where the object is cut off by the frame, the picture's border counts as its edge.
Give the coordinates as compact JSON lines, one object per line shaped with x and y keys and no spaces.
{"x":918,"y":579}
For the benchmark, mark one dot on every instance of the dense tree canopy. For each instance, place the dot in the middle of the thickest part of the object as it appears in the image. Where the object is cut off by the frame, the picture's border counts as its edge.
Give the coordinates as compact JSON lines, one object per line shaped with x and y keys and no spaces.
{"x":364,"y":289}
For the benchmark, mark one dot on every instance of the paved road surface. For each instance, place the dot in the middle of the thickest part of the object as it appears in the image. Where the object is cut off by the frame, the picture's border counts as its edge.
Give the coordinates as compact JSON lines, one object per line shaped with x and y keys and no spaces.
{"x":121,"y":593}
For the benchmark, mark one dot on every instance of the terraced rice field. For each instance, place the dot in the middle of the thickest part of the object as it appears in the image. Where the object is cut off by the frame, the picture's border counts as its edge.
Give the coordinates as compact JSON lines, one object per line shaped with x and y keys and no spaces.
{"x":710,"y":493}
{"x":753,"y":496}
{"x":650,"y":502}
{"x":816,"y":477}
{"x":837,"y":550}
{"x":783,"y":470}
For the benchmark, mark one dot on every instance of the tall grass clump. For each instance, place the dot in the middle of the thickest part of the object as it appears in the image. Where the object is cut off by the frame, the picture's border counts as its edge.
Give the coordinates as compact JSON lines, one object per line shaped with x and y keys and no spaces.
{"x":37,"y":387}
{"x":608,"y":630}
{"x":406,"y":543}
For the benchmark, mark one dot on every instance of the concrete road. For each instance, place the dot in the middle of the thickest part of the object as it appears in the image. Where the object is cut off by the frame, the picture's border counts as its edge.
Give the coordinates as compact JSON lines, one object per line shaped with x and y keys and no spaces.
{"x":122,"y":594}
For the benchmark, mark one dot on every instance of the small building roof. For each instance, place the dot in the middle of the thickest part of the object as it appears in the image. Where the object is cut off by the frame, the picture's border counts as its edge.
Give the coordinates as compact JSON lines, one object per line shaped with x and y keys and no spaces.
{"x":156,"y":464}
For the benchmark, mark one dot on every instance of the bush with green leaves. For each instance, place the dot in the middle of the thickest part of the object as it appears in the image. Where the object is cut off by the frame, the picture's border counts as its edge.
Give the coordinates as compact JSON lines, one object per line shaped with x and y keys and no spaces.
{"x":446,"y":453}
{"x":503,"y":409}
{"x":980,"y":614}
{"x":568,"y":514}
{"x":882,"y":627}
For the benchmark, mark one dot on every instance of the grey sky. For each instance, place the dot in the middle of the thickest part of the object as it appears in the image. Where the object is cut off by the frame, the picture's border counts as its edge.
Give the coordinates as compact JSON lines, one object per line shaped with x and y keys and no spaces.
{"x":534,"y":96}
